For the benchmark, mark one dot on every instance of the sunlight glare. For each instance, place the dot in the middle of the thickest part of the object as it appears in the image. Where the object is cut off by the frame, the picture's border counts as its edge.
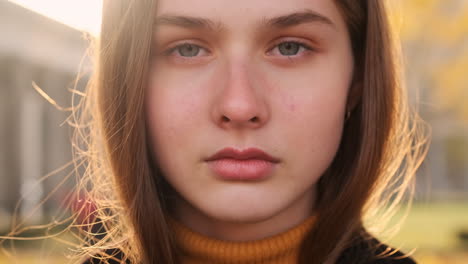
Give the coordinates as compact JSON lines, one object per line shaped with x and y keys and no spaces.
{"x":83,"y":15}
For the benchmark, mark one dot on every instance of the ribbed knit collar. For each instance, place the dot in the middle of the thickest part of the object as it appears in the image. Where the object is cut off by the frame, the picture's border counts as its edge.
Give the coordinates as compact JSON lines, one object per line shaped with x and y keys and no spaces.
{"x":281,"y":248}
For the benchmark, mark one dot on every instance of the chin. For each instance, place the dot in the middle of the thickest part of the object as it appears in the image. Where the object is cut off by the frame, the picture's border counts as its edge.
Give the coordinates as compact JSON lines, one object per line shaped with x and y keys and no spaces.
{"x":243,"y":210}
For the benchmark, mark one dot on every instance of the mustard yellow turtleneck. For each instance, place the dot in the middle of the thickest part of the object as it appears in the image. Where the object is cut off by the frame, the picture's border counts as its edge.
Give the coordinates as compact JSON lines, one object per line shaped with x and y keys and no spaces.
{"x":279,"y":249}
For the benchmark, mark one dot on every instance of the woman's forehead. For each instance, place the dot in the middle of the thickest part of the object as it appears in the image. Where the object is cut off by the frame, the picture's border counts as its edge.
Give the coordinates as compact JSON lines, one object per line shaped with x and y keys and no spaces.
{"x":221,"y":14}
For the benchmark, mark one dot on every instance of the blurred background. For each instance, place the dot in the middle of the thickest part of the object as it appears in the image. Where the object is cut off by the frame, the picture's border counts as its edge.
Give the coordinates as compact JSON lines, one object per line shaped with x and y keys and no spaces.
{"x":45,"y":42}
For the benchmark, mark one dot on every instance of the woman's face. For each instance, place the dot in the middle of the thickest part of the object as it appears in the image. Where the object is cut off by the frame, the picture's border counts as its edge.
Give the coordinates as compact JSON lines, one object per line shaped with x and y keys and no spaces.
{"x":267,"y":74}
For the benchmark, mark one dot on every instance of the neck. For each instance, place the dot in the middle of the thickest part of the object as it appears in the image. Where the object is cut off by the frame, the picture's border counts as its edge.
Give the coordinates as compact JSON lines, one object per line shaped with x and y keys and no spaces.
{"x":245,"y":229}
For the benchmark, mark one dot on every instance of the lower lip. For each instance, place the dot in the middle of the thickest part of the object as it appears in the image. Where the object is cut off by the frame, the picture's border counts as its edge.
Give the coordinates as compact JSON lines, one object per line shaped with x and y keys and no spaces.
{"x":233,"y":169}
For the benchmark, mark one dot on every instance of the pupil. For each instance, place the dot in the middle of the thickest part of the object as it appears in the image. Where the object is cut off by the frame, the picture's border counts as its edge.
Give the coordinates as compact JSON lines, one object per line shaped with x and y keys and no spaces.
{"x":288,"y":48}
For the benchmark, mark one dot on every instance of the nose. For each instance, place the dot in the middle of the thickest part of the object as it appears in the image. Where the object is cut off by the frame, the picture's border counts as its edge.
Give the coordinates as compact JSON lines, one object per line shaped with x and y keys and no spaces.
{"x":241,"y":102}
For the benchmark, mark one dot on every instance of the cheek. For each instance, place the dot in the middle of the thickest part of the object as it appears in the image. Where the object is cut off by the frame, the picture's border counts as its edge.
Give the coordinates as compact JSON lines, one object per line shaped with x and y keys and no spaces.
{"x":316,"y":95}
{"x":173,"y":110}
{"x":311,"y":106}
{"x":178,"y":95}
{"x":314,"y":124}
{"x":173,"y":103}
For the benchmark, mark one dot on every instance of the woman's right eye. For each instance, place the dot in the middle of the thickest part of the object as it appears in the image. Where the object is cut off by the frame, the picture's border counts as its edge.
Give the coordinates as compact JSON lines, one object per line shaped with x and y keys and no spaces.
{"x":186,"y":50}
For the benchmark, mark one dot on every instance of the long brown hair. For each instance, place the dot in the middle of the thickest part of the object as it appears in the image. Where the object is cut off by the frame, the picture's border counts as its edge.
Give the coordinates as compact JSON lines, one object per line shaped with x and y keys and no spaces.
{"x":381,"y":147}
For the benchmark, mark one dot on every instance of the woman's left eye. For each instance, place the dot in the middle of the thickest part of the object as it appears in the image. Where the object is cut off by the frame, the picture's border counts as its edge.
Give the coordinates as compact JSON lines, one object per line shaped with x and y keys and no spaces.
{"x":291,"y":48}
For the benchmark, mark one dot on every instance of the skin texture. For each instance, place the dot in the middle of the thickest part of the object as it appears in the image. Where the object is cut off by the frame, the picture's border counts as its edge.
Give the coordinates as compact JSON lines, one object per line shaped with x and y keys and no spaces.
{"x":241,"y":91}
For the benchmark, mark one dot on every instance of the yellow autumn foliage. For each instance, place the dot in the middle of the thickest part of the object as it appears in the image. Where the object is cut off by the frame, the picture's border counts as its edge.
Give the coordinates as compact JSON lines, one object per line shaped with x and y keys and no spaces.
{"x":434,"y":34}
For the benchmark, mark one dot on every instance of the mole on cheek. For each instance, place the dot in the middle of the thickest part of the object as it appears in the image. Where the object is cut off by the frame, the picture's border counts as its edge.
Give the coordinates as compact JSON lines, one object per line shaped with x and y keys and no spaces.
{"x":292,"y":107}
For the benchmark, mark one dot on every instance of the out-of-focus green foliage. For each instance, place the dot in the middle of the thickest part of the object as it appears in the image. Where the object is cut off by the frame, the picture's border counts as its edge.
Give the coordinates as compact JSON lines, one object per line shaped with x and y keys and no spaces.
{"x":433,"y":231}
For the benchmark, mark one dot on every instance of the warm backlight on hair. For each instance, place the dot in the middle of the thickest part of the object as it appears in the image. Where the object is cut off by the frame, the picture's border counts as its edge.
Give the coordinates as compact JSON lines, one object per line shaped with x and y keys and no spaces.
{"x":80,"y":14}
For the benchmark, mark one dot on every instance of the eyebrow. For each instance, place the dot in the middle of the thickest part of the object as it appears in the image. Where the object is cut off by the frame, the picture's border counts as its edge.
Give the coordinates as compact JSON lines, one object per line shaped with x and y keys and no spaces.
{"x":188,"y":22}
{"x":306,"y":16}
{"x":284,"y":21}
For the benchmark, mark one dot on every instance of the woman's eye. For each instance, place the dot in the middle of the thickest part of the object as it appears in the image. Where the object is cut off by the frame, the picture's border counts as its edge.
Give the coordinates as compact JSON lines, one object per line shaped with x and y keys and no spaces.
{"x":291,"y":48}
{"x":186,"y":50}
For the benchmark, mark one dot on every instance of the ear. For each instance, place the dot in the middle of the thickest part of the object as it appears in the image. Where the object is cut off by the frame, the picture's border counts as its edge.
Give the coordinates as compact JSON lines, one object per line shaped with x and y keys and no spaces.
{"x":354,"y":95}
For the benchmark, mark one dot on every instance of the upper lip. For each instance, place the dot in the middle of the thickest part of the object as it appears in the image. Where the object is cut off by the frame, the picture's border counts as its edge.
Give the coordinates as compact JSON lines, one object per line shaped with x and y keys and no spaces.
{"x":249,"y":153}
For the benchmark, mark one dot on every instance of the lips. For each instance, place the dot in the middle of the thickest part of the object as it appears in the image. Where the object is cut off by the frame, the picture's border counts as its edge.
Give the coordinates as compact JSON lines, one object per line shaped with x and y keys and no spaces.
{"x":248,"y":164}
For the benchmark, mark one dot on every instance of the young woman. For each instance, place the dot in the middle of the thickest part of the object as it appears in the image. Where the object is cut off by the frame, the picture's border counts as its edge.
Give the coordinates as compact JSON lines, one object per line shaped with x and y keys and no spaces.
{"x":264,"y":131}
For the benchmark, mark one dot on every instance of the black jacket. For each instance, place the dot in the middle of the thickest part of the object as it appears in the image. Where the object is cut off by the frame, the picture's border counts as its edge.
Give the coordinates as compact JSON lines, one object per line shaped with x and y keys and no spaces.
{"x":362,"y":252}
{"x":366,"y":252}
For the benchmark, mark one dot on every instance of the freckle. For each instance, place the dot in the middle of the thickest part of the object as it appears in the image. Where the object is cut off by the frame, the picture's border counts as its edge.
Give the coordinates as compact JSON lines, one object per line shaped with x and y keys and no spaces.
{"x":292,"y":107}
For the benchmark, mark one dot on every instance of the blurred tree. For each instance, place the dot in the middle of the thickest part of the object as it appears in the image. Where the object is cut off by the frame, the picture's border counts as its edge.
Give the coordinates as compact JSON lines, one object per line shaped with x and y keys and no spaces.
{"x":434,"y":38}
{"x":434,"y":34}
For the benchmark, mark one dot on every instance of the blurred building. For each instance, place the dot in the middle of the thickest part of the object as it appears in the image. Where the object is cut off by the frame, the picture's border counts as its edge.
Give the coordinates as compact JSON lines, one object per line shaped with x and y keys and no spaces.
{"x":33,"y":141}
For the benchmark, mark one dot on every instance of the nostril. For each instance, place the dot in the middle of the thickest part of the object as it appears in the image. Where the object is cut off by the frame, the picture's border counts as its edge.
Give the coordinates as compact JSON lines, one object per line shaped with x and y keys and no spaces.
{"x":225,"y":119}
{"x":254,"y":119}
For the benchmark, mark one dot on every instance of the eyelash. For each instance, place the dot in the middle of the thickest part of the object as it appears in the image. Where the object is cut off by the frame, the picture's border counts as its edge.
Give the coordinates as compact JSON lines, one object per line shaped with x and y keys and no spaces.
{"x":301,"y":44}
